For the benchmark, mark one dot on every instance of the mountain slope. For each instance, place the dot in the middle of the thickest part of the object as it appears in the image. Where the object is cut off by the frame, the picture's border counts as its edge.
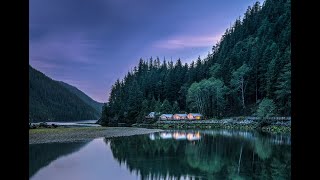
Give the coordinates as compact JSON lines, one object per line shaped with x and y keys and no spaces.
{"x":96,"y":105}
{"x":251,"y":63}
{"x":51,"y":101}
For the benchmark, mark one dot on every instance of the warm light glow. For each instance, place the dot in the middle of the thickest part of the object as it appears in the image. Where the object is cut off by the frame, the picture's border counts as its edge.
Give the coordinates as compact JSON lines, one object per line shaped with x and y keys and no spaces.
{"x":179,"y":136}
{"x":192,"y":137}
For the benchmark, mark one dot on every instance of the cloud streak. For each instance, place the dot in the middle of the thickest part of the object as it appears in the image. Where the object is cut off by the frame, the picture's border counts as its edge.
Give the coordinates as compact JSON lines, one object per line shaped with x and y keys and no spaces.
{"x":66,"y":47}
{"x":180,"y":42}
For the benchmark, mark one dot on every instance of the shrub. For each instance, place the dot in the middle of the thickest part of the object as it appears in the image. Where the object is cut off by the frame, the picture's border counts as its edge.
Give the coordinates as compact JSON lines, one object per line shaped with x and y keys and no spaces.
{"x":266,"y":108}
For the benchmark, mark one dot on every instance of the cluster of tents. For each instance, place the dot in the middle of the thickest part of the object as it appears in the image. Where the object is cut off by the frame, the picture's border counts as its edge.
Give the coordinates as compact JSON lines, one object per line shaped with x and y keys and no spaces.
{"x":190,"y":116}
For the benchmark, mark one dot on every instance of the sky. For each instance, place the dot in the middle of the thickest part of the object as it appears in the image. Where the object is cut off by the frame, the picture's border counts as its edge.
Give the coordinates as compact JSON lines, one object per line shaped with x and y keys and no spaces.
{"x":91,"y":43}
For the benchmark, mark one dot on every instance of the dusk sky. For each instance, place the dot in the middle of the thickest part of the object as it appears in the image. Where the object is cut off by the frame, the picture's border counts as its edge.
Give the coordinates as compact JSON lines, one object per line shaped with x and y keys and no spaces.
{"x":91,"y":43}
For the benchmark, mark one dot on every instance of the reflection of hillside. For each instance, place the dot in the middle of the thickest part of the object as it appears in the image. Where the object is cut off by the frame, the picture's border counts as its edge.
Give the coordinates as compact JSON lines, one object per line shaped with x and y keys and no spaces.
{"x":41,"y":155}
{"x":220,"y":156}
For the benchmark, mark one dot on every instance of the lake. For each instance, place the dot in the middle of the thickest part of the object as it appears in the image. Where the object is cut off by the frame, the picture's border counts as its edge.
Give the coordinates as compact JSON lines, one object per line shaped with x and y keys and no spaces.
{"x":172,"y":154}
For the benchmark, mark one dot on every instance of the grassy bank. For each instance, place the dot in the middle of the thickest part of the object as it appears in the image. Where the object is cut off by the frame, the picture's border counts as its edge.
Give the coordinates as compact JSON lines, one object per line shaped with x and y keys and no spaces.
{"x":64,"y":134}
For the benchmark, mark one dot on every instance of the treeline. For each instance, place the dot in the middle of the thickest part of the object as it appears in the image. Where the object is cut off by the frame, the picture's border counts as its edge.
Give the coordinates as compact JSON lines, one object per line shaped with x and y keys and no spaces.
{"x":249,"y":65}
{"x":49,"y":100}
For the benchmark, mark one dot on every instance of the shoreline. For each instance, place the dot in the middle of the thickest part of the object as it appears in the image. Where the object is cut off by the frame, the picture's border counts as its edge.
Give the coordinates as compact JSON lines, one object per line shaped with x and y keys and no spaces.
{"x":73,"y":134}
{"x":244,"y":124}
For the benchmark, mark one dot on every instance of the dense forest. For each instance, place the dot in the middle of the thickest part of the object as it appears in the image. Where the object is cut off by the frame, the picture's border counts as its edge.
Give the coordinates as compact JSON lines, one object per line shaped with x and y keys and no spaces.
{"x":248,"y":69}
{"x":49,"y":100}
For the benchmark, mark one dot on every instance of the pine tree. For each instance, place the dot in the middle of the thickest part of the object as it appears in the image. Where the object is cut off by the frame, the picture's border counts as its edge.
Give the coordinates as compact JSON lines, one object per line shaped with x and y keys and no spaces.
{"x":166,"y":107}
{"x":283,"y":91}
{"x":175,"y":108}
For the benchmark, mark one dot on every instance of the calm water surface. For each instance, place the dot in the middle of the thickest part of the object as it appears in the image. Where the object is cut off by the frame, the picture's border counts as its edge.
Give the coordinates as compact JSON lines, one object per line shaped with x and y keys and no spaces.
{"x":189,"y":154}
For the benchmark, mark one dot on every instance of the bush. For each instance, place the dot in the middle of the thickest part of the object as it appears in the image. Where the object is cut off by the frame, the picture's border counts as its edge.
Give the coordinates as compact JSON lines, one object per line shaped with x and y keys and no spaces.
{"x":266,"y":108}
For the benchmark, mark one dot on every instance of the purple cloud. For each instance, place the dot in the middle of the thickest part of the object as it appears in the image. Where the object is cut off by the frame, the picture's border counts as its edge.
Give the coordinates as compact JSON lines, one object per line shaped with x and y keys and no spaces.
{"x":72,"y":47}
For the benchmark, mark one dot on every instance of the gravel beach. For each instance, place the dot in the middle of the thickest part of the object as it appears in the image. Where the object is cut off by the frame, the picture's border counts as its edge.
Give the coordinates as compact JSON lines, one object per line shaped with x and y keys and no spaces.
{"x":61,"y":134}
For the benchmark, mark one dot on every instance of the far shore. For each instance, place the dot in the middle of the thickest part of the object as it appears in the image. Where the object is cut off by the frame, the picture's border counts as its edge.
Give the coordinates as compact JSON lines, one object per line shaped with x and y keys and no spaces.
{"x":64,"y":134}
{"x":278,"y":125}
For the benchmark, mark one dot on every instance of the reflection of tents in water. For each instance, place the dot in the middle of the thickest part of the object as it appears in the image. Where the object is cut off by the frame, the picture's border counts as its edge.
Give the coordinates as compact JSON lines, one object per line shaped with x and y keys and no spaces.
{"x":193,"y":136}
{"x":188,"y":136}
{"x":152,"y":137}
{"x":176,"y":135}
{"x":165,"y":135}
{"x":179,"y":136}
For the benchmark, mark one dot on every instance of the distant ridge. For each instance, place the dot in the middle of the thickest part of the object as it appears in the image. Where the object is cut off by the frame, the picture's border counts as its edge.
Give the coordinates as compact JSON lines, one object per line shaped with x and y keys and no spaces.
{"x":49,"y":100}
{"x":85,"y":98}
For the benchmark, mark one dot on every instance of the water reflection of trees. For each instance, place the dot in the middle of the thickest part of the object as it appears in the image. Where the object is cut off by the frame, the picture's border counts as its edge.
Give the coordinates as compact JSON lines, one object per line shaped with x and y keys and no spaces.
{"x":212,"y":156}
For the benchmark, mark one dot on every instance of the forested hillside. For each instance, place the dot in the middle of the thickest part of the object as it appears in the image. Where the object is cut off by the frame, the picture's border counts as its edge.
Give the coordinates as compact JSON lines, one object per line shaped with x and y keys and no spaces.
{"x":51,"y":101}
{"x":250,"y":64}
{"x":88,"y":100}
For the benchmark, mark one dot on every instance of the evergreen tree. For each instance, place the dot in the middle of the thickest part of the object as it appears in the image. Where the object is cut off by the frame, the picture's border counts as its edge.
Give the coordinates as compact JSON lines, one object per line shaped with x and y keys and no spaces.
{"x":175,"y":108}
{"x":158,"y":107}
{"x":283,"y":91}
{"x":166,"y":107}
